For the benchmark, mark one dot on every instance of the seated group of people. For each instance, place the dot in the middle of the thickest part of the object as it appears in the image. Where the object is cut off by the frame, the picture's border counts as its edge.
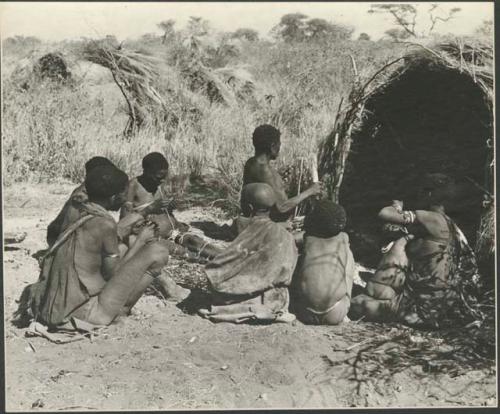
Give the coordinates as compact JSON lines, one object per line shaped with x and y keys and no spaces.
{"x":97,"y":268}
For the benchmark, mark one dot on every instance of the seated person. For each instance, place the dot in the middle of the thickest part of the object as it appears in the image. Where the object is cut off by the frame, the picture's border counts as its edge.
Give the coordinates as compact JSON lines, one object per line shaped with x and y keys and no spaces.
{"x":84,"y":280}
{"x":325,"y":273}
{"x":147,"y":187}
{"x":79,"y":195}
{"x":249,"y":279}
{"x":443,"y":286}
{"x":147,"y":191}
{"x":390,"y":275}
{"x":258,"y":169}
{"x":383,"y":289}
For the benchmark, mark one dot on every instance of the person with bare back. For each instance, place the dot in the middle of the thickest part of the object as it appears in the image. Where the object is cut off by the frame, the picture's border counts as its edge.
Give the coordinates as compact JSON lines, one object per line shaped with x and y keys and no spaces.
{"x":324,"y":276}
{"x":258,"y":169}
{"x":442,"y":286}
{"x":85,"y":279}
{"x":78,"y":195}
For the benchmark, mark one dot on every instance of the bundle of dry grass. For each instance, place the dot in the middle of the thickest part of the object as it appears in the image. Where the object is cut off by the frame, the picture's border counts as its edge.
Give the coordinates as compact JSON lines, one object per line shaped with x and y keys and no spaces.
{"x":429,"y":110}
{"x":53,"y":66}
{"x":134,"y":73}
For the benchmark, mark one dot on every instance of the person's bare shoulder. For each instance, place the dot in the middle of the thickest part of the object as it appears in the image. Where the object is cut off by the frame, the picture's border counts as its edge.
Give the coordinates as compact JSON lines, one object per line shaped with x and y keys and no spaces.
{"x":132,"y":189}
{"x":434,"y":223}
{"x":257,"y":172}
{"x":344,"y":236}
{"x":102,"y":225}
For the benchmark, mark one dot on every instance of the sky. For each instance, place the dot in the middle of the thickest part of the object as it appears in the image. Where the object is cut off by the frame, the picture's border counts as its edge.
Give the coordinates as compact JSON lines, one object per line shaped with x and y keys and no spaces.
{"x":57,"y":21}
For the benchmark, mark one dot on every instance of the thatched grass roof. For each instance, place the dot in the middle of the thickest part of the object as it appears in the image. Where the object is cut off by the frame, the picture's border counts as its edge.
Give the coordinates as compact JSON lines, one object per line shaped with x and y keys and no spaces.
{"x":471,"y":58}
{"x":135,"y":73}
{"x":474,"y":58}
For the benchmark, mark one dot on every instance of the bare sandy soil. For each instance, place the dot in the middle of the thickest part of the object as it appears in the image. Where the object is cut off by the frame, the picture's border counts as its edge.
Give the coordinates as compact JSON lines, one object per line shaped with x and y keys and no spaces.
{"x":163,"y":358}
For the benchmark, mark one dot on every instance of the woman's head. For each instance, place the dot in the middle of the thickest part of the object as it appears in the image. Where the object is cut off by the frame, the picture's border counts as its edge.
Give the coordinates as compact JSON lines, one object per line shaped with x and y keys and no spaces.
{"x":266,"y":140}
{"x":107,"y":185}
{"x":96,"y":162}
{"x":325,"y":220}
{"x":155,"y":167}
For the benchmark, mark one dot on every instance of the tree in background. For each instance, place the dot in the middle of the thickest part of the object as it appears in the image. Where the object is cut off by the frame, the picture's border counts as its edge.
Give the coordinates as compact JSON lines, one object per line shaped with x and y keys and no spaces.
{"x":21,"y":41}
{"x":167,"y":26}
{"x":405,"y":17}
{"x":246,"y":34}
{"x":297,"y":27}
{"x":322,"y":29}
{"x":485,"y":29}
{"x":197,"y":26}
{"x":397,"y":34}
{"x":290,"y":28}
{"x":364,"y":37}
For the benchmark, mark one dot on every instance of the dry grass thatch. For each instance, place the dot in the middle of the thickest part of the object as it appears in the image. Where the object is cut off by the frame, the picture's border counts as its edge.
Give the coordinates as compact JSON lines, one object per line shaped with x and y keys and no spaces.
{"x":135,"y":74}
{"x":470,"y":57}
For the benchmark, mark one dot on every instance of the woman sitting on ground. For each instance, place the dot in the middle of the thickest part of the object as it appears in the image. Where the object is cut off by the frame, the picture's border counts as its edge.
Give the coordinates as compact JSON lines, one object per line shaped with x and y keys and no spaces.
{"x":147,"y":192}
{"x":249,"y":280}
{"x":442,"y":286}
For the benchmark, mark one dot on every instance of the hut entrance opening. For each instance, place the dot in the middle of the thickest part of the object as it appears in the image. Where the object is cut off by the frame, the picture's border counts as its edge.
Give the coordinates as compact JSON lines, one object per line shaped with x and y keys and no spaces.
{"x":427,"y":119}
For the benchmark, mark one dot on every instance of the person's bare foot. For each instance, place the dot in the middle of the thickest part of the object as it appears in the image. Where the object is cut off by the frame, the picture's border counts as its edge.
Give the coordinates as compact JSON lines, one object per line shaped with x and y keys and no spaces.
{"x":171,"y":290}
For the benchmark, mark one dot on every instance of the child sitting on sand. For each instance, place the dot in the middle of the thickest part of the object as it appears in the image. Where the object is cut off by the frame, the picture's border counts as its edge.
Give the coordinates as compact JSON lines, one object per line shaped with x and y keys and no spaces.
{"x":325,"y":273}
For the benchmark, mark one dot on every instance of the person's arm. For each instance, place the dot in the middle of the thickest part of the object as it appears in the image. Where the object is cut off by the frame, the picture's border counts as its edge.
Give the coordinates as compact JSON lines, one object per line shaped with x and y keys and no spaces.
{"x":293,"y":202}
{"x":110,"y":250}
{"x":288,"y":204}
{"x":434,"y":223}
{"x":128,"y":206}
{"x":146,"y":235}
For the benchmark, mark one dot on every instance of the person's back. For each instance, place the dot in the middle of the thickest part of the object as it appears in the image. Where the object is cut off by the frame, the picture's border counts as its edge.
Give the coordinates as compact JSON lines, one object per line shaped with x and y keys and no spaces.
{"x":325,"y":274}
{"x":90,"y":250}
{"x":70,"y":208}
{"x":322,"y":275}
{"x":258,"y":169}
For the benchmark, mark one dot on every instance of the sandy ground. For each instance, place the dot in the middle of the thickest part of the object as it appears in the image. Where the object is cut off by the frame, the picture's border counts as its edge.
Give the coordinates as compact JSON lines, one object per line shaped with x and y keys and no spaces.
{"x":162,"y":358}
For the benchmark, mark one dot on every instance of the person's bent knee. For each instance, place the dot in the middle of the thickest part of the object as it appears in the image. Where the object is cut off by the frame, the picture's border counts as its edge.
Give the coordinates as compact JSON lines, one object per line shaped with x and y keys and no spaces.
{"x":158,"y":254}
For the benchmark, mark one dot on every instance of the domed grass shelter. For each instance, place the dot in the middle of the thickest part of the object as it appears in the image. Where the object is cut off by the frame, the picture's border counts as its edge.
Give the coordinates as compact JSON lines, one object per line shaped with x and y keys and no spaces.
{"x":429,"y":111}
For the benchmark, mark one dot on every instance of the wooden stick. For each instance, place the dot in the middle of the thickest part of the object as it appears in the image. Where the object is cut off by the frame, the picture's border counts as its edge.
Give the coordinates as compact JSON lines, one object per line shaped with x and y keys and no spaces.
{"x":314,"y":170}
{"x":298,"y":187}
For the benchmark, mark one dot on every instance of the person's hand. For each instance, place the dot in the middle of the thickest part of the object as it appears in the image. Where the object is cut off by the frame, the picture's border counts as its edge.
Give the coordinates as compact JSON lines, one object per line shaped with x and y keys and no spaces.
{"x":146,"y":234}
{"x":398,"y":205}
{"x":157,"y":206}
{"x":137,"y":226}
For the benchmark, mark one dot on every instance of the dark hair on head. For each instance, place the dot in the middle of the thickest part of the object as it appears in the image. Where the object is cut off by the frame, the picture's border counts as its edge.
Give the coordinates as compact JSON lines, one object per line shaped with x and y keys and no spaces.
{"x":265,"y":136}
{"x":96,"y":162}
{"x":154,"y":161}
{"x":325,"y":220}
{"x":105,"y":181}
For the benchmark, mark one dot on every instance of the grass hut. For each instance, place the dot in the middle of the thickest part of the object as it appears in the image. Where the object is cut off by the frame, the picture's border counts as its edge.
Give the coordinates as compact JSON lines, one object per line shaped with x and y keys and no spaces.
{"x":135,"y":74}
{"x":431,"y":110}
